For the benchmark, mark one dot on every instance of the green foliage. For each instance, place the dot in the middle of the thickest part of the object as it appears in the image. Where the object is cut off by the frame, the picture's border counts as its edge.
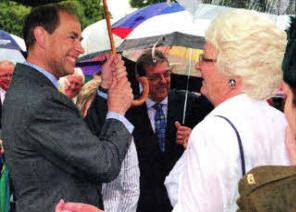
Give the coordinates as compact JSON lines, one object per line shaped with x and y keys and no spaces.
{"x":12,"y":14}
{"x":144,"y":3}
{"x":87,"y":11}
{"x":93,"y":11}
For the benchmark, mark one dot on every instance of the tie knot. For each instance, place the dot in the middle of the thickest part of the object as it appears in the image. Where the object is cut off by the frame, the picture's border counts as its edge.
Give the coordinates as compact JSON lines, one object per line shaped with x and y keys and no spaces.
{"x":157,"y":106}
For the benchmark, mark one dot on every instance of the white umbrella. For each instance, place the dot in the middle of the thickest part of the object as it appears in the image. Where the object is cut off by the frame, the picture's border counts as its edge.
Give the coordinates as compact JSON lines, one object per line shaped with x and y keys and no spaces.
{"x":174,"y":26}
{"x":19,"y":41}
{"x":9,"y":48}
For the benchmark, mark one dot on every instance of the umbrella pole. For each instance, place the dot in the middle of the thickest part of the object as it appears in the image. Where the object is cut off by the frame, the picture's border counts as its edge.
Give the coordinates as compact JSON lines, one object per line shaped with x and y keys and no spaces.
{"x":141,"y":80}
{"x":106,"y":13}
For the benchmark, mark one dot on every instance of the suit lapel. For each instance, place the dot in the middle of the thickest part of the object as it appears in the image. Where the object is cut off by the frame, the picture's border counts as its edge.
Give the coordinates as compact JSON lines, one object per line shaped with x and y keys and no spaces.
{"x":139,"y":116}
{"x":174,"y":107}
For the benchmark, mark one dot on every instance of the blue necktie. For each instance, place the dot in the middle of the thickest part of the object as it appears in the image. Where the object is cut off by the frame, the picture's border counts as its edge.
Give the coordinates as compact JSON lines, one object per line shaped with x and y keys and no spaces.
{"x":160,"y":125}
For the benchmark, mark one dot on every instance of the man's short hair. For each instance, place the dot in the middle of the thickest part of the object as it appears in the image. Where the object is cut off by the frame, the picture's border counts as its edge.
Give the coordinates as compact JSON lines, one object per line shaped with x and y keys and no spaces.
{"x":147,"y":59}
{"x":45,"y":16}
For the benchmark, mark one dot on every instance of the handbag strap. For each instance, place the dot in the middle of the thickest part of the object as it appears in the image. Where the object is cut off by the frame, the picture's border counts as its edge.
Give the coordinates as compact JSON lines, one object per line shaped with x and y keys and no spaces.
{"x":240,"y":145}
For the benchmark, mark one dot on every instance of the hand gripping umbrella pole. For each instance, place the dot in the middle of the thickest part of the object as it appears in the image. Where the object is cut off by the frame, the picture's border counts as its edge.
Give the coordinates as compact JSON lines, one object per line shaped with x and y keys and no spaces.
{"x":142,"y":80}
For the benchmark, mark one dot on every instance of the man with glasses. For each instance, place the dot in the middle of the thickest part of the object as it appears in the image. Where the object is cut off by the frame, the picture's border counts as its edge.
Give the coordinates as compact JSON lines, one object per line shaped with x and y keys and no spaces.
{"x":158,"y":148}
{"x":158,"y":134}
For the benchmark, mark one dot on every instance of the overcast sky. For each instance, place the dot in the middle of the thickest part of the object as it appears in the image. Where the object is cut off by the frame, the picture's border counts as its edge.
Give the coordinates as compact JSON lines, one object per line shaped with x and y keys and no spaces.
{"x":119,"y":8}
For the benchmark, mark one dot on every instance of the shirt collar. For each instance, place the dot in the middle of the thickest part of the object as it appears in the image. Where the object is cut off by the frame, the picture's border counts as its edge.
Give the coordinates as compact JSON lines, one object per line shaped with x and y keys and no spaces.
{"x":49,"y":76}
{"x":150,"y":102}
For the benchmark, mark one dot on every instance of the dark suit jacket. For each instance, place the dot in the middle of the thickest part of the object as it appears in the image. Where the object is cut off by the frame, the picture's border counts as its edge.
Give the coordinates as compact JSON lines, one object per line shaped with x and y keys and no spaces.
{"x":49,"y":150}
{"x":154,"y":164}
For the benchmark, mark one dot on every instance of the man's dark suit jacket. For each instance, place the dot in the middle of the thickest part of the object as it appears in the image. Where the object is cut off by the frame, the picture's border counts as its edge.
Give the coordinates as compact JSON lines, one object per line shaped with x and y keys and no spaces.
{"x":49,"y":150}
{"x":154,"y":164}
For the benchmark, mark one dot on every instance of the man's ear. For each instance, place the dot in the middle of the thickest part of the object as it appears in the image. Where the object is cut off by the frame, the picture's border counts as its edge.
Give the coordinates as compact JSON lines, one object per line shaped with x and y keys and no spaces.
{"x":40,"y":35}
{"x":286,"y":88}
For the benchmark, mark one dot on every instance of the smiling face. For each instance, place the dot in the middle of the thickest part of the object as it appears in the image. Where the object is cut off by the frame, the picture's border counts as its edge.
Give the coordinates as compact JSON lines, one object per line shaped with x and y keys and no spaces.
{"x":64,"y":45}
{"x":73,"y":86}
{"x":159,"y":80}
{"x":6,"y":70}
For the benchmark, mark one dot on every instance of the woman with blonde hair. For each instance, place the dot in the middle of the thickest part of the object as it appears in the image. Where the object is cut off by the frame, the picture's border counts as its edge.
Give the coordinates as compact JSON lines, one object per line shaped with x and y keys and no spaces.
{"x":241,"y":68}
{"x":86,"y":95}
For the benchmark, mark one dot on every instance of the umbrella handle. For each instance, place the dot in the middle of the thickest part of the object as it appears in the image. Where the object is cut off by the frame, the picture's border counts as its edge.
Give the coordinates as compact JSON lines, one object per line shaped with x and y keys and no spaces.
{"x":141,"y":80}
{"x":144,"y":82}
{"x":106,"y":13}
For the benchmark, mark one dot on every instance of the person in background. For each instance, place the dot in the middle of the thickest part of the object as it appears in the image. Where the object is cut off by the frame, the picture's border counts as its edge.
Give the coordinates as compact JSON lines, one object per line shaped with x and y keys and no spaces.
{"x":158,"y":148}
{"x":6,"y":71}
{"x":121,"y":194}
{"x":86,"y":95}
{"x":50,"y":152}
{"x":71,"y":84}
{"x":241,"y":68}
{"x":289,"y":88}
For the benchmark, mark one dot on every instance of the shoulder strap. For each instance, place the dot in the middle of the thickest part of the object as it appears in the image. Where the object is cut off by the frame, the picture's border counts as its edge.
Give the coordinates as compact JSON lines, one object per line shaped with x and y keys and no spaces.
{"x":240,"y":145}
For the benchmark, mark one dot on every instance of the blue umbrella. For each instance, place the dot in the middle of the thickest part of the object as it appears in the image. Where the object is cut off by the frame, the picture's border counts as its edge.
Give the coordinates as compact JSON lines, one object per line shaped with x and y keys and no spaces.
{"x":7,"y":42}
{"x":9,"y":49}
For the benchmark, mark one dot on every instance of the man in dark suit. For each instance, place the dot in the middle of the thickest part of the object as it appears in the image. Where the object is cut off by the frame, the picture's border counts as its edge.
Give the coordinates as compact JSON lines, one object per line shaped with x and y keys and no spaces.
{"x":49,"y":151}
{"x":156,"y":159}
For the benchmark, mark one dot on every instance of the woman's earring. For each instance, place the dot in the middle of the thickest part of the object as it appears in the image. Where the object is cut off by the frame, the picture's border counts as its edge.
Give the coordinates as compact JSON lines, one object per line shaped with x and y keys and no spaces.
{"x":232,"y":83}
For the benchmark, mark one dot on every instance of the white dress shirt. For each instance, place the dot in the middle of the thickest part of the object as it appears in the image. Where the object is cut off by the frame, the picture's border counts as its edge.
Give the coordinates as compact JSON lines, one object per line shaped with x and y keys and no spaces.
{"x":2,"y":95}
{"x":122,"y":194}
{"x":212,"y":166}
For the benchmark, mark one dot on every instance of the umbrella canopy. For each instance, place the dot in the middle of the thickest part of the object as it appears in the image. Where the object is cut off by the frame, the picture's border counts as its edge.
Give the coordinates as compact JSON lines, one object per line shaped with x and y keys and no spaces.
{"x":162,"y":24}
{"x":9,"y":48}
{"x":210,"y":11}
{"x":7,"y":42}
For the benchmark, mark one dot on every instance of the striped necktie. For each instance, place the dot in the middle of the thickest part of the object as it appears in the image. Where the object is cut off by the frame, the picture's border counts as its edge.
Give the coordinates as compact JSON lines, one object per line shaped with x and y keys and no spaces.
{"x":160,"y":125}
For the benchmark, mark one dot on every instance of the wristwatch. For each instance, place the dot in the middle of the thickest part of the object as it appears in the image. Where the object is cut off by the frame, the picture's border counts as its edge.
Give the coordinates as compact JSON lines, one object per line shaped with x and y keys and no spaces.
{"x":104,"y":90}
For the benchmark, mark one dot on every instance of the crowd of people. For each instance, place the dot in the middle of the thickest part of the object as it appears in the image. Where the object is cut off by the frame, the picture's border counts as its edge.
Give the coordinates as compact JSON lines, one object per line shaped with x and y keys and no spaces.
{"x":75,"y":146}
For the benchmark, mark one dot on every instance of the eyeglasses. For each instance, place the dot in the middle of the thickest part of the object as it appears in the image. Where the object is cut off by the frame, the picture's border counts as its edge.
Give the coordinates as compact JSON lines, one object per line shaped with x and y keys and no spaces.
{"x":203,"y":59}
{"x":158,"y":77}
{"x":76,"y":84}
{"x":5,"y":75}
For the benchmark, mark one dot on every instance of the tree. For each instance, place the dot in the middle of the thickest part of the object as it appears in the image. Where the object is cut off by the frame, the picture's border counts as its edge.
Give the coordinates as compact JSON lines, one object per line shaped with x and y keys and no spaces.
{"x":12,"y":13}
{"x":12,"y":16}
{"x":144,"y":3}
